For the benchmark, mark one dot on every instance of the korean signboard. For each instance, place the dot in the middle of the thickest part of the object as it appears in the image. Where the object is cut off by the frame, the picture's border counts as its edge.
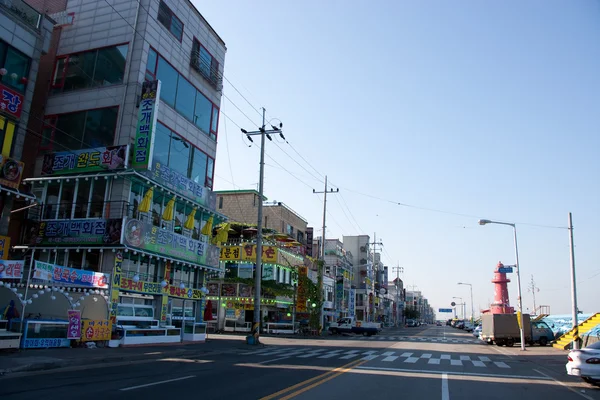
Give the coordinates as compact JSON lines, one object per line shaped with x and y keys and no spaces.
{"x":154,"y":288}
{"x":144,"y":236}
{"x":88,"y":160}
{"x":64,"y":275}
{"x":45,"y":343}
{"x":93,"y":330}
{"x":309,"y":240}
{"x":11,"y":102}
{"x":11,"y":172}
{"x":74,"y":329}
{"x":269,"y":253}
{"x":352,"y":302}
{"x":78,"y":231}
{"x":339,"y":295}
{"x":301,"y":292}
{"x":116,"y":283}
{"x":181,"y":184}
{"x":230,"y":253}
{"x":146,"y":126}
{"x":4,"y":247}
{"x":11,"y":269}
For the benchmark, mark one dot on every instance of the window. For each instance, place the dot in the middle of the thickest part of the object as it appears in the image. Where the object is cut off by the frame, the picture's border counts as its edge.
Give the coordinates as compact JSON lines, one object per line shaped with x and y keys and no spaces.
{"x":205,"y":63}
{"x":100,"y":67}
{"x":17,"y":67}
{"x":220,"y":202}
{"x":80,"y":130}
{"x":170,"y":21}
{"x":180,"y":94}
{"x":176,"y":153}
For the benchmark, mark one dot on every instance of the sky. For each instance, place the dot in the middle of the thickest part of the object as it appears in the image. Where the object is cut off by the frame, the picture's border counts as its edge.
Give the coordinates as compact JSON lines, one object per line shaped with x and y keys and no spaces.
{"x":427,"y":115}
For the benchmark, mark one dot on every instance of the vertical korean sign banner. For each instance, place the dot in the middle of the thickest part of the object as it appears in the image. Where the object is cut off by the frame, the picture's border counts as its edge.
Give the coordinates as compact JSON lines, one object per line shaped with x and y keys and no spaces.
{"x":74,"y":329}
{"x":147,"y":117}
{"x":301,"y":295}
{"x":116,"y":285}
{"x":351,"y":302}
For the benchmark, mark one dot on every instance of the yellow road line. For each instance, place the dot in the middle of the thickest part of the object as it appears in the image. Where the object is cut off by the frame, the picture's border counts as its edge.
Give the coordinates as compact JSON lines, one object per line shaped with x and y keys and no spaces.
{"x":345,"y":368}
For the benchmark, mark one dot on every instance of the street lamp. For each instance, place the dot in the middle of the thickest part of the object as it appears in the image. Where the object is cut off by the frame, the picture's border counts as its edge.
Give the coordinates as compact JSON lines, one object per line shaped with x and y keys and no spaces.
{"x":472,"y":309}
{"x":518,"y":267}
{"x":462,"y":305}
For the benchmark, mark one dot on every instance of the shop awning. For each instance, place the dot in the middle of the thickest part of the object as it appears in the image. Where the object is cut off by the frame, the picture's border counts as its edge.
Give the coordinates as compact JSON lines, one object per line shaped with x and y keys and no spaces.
{"x":173,"y":260}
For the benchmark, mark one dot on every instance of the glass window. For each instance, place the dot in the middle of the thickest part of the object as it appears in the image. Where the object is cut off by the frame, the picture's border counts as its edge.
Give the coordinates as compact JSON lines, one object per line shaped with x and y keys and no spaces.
{"x":79,"y":71}
{"x":100,"y":127}
{"x":202,"y":113}
{"x":170,"y":21}
{"x":215,"y":120}
{"x":110,"y":66}
{"x":69,"y":130}
{"x":179,"y":154}
{"x":186,"y":94}
{"x":205,"y":61}
{"x":199,"y":167}
{"x":209,"y":173}
{"x":66,"y":199}
{"x":176,"y":27}
{"x":83,"y":193}
{"x":168,"y":76}
{"x":162,"y":144}
{"x":98,"y":191}
{"x":75,"y":259}
{"x":51,"y":200}
{"x":17,"y":65}
{"x":151,"y":65}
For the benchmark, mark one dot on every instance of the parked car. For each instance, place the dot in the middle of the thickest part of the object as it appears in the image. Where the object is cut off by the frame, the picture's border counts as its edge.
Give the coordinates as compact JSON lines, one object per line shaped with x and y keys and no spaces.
{"x":439,"y":323}
{"x":468,"y":326}
{"x":585,"y":363}
{"x":460,"y":324}
{"x":477,"y":331}
{"x":411,"y":323}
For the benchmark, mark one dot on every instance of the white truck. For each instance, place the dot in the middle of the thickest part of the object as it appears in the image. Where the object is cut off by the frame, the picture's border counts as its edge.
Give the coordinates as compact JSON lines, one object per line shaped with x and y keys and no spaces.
{"x":350,"y":325}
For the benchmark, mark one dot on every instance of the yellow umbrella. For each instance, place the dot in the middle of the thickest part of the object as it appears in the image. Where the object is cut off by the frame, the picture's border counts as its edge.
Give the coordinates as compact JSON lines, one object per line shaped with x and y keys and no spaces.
{"x":223,"y":233}
{"x":207,"y":228}
{"x":169,"y":210}
{"x":189,"y":222}
{"x":146,"y":201}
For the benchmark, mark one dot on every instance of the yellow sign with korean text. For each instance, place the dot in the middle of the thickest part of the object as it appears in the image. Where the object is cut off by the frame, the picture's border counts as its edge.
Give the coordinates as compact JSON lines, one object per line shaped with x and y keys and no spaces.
{"x":93,"y":330}
{"x":301,"y":298}
{"x":4,"y":247}
{"x":230,"y":253}
{"x":269,"y":253}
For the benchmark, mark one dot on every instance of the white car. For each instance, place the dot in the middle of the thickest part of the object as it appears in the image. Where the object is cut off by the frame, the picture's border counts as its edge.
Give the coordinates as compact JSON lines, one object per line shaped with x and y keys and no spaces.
{"x":477,"y":331}
{"x":585,"y":363}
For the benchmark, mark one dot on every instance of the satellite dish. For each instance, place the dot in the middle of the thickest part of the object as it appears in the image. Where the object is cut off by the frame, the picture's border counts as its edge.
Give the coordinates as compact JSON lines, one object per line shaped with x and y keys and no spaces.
{"x":453,"y":304}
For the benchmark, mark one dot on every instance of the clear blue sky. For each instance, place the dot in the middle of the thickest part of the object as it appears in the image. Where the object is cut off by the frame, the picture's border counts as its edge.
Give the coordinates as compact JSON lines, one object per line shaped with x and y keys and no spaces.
{"x":482,"y":108}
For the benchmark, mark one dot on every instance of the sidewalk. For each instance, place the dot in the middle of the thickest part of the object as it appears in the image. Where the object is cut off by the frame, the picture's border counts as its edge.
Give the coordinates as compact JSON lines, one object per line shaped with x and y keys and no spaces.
{"x":44,"y":359}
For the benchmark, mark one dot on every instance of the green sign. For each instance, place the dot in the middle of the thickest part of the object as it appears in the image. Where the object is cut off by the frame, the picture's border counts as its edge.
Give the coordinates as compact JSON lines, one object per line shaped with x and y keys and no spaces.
{"x":147,"y":116}
{"x":77,"y":232}
{"x":144,"y":236}
{"x":99,"y":159}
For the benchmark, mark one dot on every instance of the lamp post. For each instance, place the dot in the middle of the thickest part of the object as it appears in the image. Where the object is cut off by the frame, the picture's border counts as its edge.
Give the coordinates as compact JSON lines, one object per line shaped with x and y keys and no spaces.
{"x":462,"y":305}
{"x":472,"y":308}
{"x":258,"y":270}
{"x":518,"y":267}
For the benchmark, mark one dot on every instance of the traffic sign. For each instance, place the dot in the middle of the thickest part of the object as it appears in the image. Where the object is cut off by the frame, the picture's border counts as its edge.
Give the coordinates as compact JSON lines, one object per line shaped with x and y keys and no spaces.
{"x":506,"y":270}
{"x":453,"y":304}
{"x":448,"y":310}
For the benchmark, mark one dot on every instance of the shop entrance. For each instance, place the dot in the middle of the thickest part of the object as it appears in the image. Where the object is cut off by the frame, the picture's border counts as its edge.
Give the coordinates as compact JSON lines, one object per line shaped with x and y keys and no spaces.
{"x":183,"y":314}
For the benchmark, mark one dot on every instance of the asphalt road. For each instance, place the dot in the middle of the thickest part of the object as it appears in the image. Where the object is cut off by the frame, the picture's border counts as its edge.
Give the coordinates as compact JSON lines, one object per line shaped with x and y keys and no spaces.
{"x":421,"y":363}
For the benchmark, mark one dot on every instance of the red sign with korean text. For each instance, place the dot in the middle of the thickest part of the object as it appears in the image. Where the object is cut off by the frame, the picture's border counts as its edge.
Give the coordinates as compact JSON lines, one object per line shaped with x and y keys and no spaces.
{"x":11,"y":102}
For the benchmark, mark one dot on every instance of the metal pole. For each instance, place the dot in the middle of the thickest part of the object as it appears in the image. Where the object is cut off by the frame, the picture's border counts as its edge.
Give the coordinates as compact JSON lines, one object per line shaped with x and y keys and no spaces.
{"x":573,"y":286}
{"x":259,"y":237}
{"x":322,"y":318}
{"x":26,"y":291}
{"x":519,"y":299}
{"x":472,"y":308}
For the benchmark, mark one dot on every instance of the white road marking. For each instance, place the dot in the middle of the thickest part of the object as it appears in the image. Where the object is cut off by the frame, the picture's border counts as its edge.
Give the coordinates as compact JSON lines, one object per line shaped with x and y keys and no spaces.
{"x":406,"y":354}
{"x":275,"y":359}
{"x":445,"y":390}
{"x":478,"y":363}
{"x":349,"y":356}
{"x":426,"y":355}
{"x":434,"y":361}
{"x":157,"y":383}
{"x":465,"y":358}
{"x":368,"y":353}
{"x":484,"y":358}
{"x":446,"y":357}
{"x":352,"y":351}
{"x":369,"y":358}
{"x":501,"y":364}
{"x":456,"y":362}
{"x":331,"y":354}
{"x":428,"y":371}
{"x":388,"y":353}
{"x":390,"y":358}
{"x":565,"y":385}
{"x":311,"y":354}
{"x":411,"y":360}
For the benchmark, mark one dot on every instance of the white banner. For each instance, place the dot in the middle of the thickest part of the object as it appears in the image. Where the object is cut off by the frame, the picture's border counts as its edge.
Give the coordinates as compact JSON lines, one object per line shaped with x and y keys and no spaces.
{"x":11,"y":269}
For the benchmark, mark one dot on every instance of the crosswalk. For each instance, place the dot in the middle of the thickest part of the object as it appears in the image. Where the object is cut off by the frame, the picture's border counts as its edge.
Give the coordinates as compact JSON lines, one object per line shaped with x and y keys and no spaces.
{"x":415,"y":339}
{"x":406,"y":357}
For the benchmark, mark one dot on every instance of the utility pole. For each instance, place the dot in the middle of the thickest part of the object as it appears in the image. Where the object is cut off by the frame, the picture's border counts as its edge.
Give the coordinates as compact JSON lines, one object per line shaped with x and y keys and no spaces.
{"x":398,"y":270}
{"x":573,"y":286}
{"x":259,"y":237}
{"x":322,"y":273}
{"x":374,"y":244}
{"x":532,"y":288}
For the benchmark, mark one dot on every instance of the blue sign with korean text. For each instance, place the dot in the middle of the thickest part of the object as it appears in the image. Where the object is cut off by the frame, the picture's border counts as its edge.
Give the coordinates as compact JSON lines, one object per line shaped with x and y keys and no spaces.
{"x":45,"y":343}
{"x":506,"y":270}
{"x":445,"y":310}
{"x":87,"y":160}
{"x":58,"y":274}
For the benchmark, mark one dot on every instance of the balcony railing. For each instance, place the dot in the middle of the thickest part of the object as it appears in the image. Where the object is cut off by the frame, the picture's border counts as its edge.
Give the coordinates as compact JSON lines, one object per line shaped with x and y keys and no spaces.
{"x":212,"y":75}
{"x":23,"y":11}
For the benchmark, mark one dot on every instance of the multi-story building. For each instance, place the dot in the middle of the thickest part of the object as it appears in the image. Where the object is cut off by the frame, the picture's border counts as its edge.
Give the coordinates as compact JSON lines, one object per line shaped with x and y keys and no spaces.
{"x":124,"y":172}
{"x":363,"y":275}
{"x":338,"y":279}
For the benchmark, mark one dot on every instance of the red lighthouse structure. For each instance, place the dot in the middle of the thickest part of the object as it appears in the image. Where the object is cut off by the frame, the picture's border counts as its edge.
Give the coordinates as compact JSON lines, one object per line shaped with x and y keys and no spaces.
{"x":501,"y":304}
